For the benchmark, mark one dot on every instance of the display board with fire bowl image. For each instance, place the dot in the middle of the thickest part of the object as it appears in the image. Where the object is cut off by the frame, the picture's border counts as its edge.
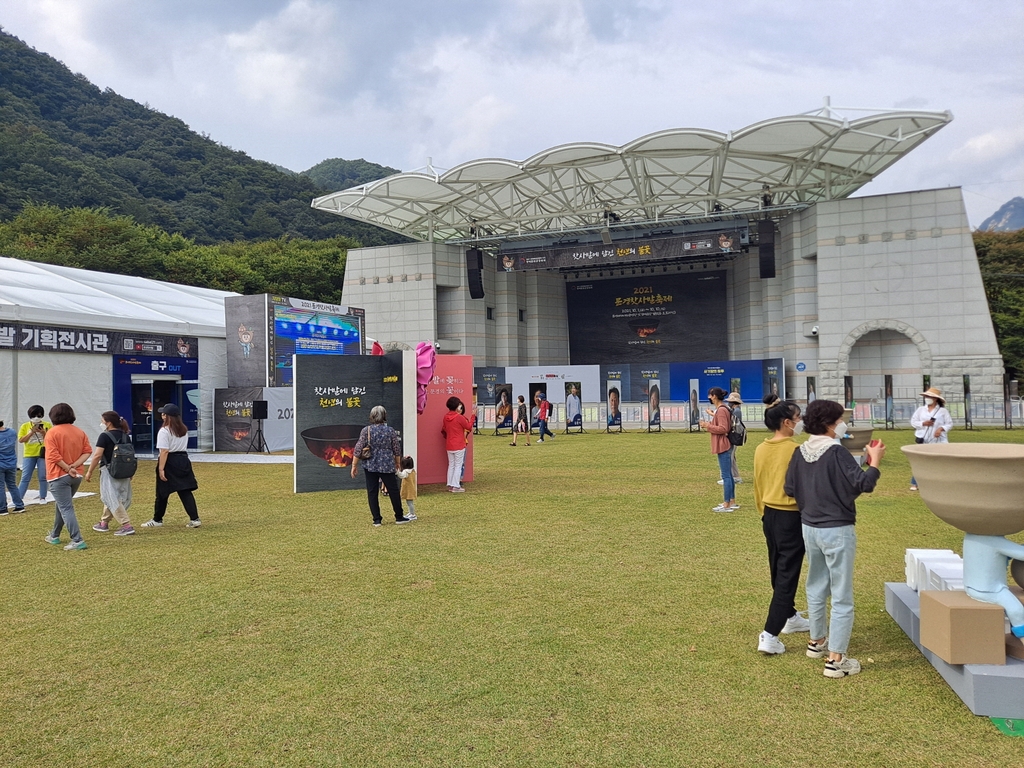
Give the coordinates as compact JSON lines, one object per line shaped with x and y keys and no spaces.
{"x":334,"y":395}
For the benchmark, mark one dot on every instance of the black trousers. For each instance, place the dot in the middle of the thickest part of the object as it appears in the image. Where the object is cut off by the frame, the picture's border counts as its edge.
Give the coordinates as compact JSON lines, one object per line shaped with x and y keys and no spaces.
{"x":188,"y":501}
{"x":390,"y":480}
{"x":784,"y":535}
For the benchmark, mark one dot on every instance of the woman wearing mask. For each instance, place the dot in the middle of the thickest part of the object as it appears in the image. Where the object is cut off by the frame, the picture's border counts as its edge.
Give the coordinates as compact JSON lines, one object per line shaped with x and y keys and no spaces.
{"x":31,"y":435}
{"x":719,"y":426}
{"x":825,"y":480}
{"x":116,"y":493}
{"x":931,"y":422}
{"x":780,"y":520}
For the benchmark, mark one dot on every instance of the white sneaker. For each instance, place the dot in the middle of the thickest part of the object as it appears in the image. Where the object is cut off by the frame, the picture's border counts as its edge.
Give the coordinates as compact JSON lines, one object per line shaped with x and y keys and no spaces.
{"x":796,"y":623}
{"x":721,"y":482}
{"x":843,"y":668}
{"x":152,"y":524}
{"x":769,"y":645}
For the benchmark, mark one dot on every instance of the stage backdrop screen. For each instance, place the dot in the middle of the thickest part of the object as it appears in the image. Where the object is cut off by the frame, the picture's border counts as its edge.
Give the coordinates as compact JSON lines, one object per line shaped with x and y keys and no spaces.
{"x":658,"y":318}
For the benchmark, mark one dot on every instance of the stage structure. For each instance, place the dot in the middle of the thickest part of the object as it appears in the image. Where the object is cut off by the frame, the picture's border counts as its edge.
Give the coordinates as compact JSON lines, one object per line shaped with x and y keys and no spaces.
{"x":688,"y":245}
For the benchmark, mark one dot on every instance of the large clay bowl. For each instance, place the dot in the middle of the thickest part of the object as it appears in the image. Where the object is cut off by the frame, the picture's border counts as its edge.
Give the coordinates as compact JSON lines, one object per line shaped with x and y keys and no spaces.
{"x":334,"y":443}
{"x":858,"y":439}
{"x":976,"y":487}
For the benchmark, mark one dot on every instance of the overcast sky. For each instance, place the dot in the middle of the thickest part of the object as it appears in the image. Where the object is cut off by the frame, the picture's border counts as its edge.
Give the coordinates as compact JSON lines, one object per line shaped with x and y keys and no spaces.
{"x":295,"y":82}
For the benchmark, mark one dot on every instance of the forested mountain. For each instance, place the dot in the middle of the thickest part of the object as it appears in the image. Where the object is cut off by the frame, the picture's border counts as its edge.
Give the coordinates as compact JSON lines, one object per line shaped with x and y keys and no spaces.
{"x":1008,"y":218}
{"x":337,"y":174}
{"x":65,"y":142}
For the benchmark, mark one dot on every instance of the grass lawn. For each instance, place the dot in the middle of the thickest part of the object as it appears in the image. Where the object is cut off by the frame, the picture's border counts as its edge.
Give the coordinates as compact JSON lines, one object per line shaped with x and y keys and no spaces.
{"x":580,"y":605}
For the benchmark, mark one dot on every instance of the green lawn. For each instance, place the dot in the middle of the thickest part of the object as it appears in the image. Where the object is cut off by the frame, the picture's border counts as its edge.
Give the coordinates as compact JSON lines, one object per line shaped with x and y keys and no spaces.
{"x":580,"y":605}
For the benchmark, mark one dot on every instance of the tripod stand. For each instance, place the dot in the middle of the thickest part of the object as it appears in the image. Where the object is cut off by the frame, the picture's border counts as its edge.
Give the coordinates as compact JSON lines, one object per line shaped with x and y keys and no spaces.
{"x":258,"y":443}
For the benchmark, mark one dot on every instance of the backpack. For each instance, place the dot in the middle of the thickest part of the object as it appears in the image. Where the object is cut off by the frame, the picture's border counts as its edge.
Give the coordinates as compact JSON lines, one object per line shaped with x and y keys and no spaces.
{"x":737,"y":431}
{"x":123,"y":463}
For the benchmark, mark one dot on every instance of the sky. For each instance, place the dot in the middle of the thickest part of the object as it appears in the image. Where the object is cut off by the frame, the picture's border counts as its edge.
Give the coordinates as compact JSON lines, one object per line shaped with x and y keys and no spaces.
{"x":398,"y":82}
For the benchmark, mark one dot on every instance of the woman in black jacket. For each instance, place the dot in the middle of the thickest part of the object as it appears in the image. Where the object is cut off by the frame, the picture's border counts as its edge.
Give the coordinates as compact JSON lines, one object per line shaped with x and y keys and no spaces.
{"x":825,"y":480}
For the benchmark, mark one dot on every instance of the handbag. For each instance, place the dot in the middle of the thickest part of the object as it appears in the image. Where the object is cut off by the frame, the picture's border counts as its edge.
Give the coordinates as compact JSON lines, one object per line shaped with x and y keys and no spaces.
{"x":367,"y":449}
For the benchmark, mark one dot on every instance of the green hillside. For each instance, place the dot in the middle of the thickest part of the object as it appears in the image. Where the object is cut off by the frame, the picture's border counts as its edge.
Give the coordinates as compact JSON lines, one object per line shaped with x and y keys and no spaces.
{"x":337,"y":174}
{"x":65,"y":142}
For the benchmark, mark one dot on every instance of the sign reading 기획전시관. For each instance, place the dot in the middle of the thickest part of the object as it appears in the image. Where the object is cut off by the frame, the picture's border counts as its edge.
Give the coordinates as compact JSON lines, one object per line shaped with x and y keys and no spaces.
{"x":41,"y":338}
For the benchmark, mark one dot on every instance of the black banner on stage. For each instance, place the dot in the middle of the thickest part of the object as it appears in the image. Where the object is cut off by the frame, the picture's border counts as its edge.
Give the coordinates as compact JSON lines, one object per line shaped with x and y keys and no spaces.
{"x":661,"y":318}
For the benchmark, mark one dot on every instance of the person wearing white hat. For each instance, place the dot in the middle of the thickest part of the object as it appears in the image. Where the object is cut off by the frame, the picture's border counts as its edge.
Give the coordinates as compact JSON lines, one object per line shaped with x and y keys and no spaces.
{"x":734,"y":403}
{"x":931,"y":422}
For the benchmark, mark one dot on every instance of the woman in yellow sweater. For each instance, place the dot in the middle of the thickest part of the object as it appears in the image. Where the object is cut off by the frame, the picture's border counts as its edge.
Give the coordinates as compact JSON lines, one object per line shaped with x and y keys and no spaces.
{"x":781,"y":522}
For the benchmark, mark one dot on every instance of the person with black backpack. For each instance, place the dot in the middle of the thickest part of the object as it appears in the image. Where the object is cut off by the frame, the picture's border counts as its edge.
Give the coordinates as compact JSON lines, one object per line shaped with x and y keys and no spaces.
{"x":738,"y":435}
{"x":115,"y":456}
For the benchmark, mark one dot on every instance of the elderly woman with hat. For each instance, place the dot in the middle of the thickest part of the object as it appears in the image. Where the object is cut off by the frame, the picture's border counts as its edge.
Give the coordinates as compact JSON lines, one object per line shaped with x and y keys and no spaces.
{"x":734,"y":403}
{"x":931,"y":422}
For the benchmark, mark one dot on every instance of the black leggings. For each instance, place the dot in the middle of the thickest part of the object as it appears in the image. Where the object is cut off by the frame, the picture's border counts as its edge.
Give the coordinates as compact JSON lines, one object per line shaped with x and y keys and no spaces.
{"x":390,"y":480}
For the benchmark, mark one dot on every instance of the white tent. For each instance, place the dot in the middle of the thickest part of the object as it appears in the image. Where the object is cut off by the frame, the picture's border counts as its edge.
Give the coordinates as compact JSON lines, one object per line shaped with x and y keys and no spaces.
{"x":49,"y":297}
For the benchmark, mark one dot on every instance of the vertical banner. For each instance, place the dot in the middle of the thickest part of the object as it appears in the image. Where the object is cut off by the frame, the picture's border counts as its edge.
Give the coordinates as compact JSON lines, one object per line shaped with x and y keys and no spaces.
{"x":926,"y":383}
{"x":1007,"y":403}
{"x":694,"y":405}
{"x":967,"y":401}
{"x":848,"y":400}
{"x":574,"y":404}
{"x":890,"y":414}
{"x":250,"y":328}
{"x":333,"y":398}
{"x":812,"y":389}
{"x":613,"y":395}
{"x":536,"y":390}
{"x":653,"y":405}
{"x":503,"y":407}
{"x":453,"y":377}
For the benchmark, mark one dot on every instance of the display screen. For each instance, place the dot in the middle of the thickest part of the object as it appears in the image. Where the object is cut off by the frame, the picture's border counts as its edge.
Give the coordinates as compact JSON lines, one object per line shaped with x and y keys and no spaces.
{"x":300,"y":331}
{"x":660,"y":318}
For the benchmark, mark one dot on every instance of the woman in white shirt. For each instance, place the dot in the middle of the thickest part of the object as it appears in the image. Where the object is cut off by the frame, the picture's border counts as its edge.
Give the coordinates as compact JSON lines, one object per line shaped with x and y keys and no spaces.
{"x":174,"y":470}
{"x":931,"y":422}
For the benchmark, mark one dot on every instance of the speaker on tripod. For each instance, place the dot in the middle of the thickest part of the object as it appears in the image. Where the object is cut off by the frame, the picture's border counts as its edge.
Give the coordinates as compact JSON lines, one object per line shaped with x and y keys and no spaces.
{"x":260,"y":411}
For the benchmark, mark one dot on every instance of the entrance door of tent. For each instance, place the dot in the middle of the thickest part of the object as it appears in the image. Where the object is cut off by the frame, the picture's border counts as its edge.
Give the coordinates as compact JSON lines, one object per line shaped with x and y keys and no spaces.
{"x":149,"y":395}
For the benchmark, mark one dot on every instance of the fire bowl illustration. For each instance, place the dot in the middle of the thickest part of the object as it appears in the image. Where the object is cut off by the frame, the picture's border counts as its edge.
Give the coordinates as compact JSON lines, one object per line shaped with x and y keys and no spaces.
{"x":644,"y":327}
{"x":334,"y":443}
{"x":238,"y":429}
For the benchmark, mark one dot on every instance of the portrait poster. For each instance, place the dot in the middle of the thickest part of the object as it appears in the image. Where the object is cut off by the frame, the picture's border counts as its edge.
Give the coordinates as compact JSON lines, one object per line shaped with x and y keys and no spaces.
{"x":653,"y":403}
{"x":694,"y":404}
{"x":812,"y":389}
{"x":333,"y":396}
{"x":536,"y":390}
{"x":613,"y":397}
{"x":968,"y":401}
{"x":503,"y":408}
{"x":890,"y":414}
{"x":573,"y":404}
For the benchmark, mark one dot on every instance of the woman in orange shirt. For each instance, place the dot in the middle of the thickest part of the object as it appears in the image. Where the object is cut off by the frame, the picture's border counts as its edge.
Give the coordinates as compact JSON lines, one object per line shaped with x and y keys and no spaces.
{"x":67,"y":449}
{"x":455,"y":428}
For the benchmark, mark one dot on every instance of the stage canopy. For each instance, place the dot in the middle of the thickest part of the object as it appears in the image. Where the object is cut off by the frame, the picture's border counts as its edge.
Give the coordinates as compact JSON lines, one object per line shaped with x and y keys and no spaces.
{"x":673,"y":176}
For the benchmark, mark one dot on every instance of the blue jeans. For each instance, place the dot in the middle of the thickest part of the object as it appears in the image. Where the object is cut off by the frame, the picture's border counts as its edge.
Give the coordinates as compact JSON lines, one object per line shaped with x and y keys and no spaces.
{"x":728,"y":484}
{"x":28,"y":464}
{"x":7,"y":478}
{"x":63,"y":489}
{"x":542,"y":427}
{"x":830,"y":554}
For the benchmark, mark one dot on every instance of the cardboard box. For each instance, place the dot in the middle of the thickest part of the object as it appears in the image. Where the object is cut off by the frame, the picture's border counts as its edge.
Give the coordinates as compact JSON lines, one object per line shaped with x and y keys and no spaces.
{"x":911,"y":558}
{"x":961,"y":630}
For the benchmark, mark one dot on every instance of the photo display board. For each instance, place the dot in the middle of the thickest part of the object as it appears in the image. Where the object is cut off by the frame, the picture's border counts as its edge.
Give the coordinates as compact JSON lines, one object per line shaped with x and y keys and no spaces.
{"x":668,"y":317}
{"x":333,"y":399}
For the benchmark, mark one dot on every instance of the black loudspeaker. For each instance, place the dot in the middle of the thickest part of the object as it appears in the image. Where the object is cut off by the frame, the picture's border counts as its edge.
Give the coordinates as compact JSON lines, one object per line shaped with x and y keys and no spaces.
{"x":766,"y":248}
{"x":259,"y":409}
{"x":475,"y":272}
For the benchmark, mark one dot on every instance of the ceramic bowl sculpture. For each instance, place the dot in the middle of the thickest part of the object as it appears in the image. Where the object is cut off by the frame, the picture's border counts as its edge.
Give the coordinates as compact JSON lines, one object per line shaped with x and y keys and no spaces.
{"x":858,"y":439}
{"x":976,"y":487}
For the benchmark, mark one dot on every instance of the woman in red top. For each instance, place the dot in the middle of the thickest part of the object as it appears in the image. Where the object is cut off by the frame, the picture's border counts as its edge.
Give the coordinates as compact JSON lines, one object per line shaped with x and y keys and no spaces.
{"x":719,"y":427}
{"x":455,"y":428}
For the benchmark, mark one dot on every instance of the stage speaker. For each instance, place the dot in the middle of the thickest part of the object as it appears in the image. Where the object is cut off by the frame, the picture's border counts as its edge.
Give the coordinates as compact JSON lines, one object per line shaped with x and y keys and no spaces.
{"x":259,"y":410}
{"x":766,"y":248}
{"x":475,"y":272}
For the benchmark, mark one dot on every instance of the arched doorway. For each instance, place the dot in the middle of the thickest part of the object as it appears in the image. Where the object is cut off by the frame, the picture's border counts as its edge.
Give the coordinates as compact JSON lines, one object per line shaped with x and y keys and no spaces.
{"x":878,"y":353}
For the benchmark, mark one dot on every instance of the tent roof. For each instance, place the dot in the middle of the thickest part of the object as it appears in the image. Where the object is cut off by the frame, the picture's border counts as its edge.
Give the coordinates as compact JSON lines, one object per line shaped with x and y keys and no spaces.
{"x":44,"y":293}
{"x":670,"y":176}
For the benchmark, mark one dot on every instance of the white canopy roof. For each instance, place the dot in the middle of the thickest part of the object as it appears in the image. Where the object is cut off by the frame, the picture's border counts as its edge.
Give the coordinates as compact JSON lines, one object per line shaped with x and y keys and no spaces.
{"x":669,"y":176}
{"x":31,"y":292}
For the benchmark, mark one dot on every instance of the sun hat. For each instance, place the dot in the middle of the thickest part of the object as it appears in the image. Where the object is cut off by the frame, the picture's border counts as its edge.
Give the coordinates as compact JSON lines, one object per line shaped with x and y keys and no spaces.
{"x":734,"y":397}
{"x":934,"y":392}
